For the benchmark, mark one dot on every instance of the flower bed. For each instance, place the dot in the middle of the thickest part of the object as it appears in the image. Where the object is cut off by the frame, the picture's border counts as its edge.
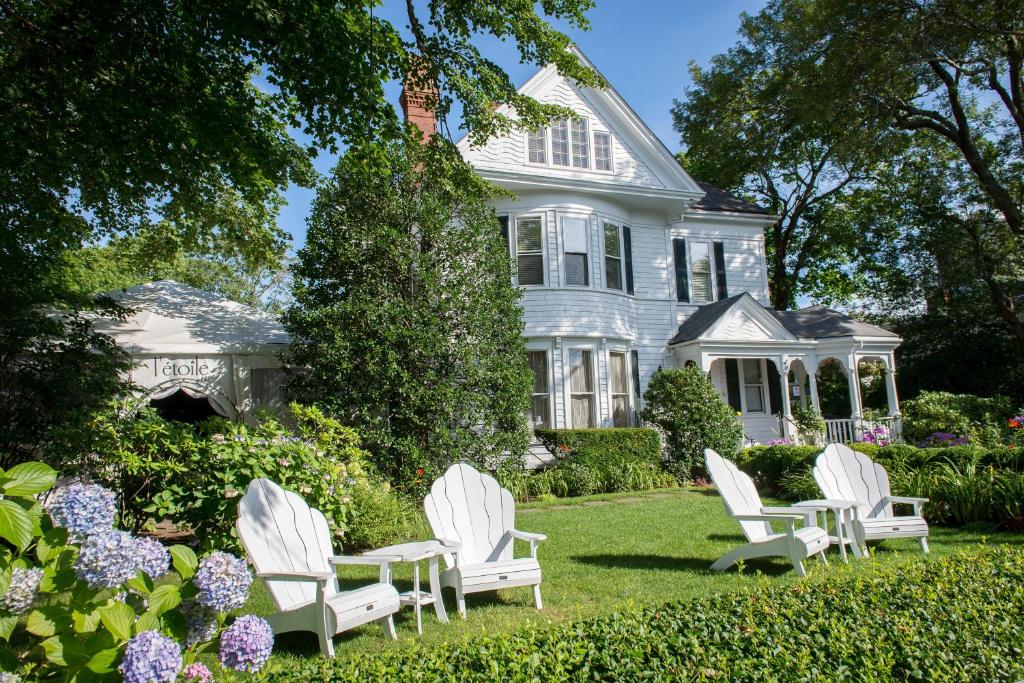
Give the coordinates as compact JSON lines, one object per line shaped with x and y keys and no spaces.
{"x":954,"y":619}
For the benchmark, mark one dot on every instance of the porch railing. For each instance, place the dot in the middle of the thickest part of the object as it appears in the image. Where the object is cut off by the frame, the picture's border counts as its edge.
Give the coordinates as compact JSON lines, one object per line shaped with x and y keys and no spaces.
{"x":850,"y":429}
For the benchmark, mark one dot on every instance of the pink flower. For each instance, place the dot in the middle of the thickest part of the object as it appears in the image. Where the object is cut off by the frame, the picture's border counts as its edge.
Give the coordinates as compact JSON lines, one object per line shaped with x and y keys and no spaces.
{"x":197,"y":672}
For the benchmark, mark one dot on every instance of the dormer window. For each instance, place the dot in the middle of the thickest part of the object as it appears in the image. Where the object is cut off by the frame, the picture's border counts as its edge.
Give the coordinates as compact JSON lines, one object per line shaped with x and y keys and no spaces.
{"x":571,"y":146}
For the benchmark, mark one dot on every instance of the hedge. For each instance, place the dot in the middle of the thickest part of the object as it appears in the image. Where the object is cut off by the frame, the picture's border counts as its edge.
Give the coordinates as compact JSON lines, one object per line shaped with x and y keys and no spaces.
{"x":955,"y":618}
{"x":599,"y":448}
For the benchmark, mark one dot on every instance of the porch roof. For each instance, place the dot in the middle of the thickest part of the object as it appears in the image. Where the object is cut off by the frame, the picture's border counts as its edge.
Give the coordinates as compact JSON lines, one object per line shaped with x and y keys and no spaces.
{"x":812,"y":323}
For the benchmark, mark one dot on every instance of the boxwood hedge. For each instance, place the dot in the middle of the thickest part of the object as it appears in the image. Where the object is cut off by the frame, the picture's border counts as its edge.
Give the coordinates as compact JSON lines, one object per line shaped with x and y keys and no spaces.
{"x":955,"y":618}
{"x":598,"y":448}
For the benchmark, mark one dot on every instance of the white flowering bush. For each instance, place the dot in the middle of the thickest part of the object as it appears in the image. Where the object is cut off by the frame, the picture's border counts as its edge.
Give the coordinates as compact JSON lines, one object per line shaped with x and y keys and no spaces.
{"x":81,"y":600}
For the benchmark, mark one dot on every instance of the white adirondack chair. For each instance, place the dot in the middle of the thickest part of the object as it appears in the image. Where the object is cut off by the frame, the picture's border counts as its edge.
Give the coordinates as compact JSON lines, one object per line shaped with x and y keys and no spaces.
{"x":289,"y":544}
{"x":469,"y":509}
{"x":743,"y":504}
{"x":844,"y":473}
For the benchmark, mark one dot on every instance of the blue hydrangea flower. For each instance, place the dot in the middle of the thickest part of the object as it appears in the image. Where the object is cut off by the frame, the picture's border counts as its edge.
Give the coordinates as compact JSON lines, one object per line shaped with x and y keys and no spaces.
{"x":151,"y":658}
{"x":156,"y":561}
{"x":82,"y":508}
{"x":22,"y":590}
{"x":108,"y":558}
{"x":201,"y":622}
{"x":223,"y":581}
{"x":246,"y":644}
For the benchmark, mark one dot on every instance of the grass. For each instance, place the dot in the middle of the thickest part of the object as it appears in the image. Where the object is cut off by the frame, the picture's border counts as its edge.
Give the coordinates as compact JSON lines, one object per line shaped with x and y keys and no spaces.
{"x":604,"y":553}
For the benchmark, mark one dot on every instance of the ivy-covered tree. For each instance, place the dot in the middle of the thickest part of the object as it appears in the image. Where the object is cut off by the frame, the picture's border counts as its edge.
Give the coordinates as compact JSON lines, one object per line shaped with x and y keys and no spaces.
{"x":116,"y":113}
{"x":405,"y":322}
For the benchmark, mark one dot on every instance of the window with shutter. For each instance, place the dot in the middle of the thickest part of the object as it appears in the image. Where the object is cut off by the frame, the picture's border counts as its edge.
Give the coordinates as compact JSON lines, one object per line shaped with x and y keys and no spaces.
{"x":612,"y":257}
{"x":700,"y":272}
{"x":627,"y":249}
{"x":530,"y":251}
{"x":723,"y":287}
{"x":753,"y":386}
{"x":575,"y":250}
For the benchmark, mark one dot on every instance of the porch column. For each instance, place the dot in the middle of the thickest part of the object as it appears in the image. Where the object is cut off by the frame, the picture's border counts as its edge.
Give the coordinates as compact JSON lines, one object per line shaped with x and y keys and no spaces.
{"x":812,"y":378}
{"x":853,"y":379}
{"x":787,"y":412}
{"x":890,"y":392}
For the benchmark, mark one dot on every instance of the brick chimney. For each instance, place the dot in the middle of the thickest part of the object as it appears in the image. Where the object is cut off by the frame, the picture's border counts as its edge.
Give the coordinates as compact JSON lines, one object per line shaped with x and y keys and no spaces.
{"x":418,"y":93}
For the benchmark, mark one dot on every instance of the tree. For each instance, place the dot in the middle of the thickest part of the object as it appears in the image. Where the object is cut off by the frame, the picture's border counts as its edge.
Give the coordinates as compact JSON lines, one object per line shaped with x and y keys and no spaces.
{"x":951,"y":69}
{"x":120,"y":113}
{"x":746,"y":128}
{"x":685,"y":404}
{"x":405,"y":321}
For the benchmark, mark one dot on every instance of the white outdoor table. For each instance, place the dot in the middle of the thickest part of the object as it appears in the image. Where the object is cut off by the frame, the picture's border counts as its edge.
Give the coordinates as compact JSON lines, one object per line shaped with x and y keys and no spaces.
{"x":415,"y":552}
{"x":843,"y":511}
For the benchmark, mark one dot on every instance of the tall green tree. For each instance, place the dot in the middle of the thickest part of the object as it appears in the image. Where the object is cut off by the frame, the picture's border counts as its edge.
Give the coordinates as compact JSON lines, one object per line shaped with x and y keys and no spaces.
{"x":405,"y":321}
{"x":119,"y":113}
{"x":747,"y":128}
{"x":952,"y":70}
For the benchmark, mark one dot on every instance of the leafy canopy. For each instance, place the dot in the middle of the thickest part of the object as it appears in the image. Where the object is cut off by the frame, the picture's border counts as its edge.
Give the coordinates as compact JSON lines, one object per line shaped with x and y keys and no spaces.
{"x":405,"y":319}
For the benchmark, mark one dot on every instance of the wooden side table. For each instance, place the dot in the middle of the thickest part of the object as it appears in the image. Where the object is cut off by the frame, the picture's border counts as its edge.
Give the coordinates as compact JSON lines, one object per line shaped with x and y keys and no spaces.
{"x":416,"y":552}
{"x":844,"y":512}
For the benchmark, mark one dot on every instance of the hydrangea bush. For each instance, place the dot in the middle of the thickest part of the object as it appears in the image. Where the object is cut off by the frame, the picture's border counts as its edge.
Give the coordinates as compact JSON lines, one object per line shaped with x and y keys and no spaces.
{"x":82,"y":600}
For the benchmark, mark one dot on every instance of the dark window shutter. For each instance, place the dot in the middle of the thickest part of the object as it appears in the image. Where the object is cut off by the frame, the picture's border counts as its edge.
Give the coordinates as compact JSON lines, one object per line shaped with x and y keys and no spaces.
{"x":774,"y":388}
{"x":682,"y":272}
{"x":723,"y":287}
{"x":732,"y":383}
{"x":634,"y":358}
{"x":627,"y":244}
{"x":503,"y":222}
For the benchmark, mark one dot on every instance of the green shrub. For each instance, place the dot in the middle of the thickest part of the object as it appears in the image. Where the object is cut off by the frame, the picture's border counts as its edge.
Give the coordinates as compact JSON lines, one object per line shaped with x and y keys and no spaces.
{"x":580,"y":479}
{"x":601,"y":448}
{"x":379,"y":517}
{"x":193,"y":475}
{"x":685,"y":404}
{"x":955,"y":618}
{"x":984,"y":421}
{"x":769,"y":465}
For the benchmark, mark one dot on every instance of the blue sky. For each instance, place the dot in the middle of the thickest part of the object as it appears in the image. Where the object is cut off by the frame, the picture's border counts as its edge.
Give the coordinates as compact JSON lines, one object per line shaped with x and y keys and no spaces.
{"x":642,"y":47}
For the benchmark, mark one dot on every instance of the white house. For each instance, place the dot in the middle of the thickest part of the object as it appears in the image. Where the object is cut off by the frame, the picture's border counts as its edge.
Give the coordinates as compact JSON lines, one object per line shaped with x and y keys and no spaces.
{"x":629,"y":264}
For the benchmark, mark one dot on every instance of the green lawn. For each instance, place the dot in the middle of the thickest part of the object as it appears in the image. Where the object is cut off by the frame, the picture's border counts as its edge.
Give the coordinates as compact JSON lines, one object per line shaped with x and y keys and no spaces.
{"x":603,"y":553}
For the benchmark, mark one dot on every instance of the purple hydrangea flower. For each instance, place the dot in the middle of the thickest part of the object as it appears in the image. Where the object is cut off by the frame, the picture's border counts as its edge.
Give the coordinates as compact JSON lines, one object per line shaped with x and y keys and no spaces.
{"x":223,"y":581}
{"x":82,"y":508}
{"x":156,"y":561}
{"x":22,"y":590}
{"x":201,"y":622}
{"x":197,"y":672}
{"x":108,"y":558}
{"x":151,"y":658}
{"x":246,"y":644}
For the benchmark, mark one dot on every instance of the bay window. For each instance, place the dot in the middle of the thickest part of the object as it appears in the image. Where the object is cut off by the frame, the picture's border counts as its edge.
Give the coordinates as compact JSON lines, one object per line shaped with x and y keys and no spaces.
{"x":575,"y":249}
{"x":530,"y":250}
{"x":612,"y":257}
{"x":619,"y":388}
{"x":581,"y":388}
{"x":540,"y":408}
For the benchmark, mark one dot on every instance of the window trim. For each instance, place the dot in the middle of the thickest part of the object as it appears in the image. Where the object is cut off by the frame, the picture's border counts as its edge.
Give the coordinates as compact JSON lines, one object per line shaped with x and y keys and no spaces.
{"x":627,"y":364}
{"x":611,"y":151}
{"x":514,"y":246}
{"x":549,"y":147}
{"x":712,"y":283}
{"x":545,"y":132}
{"x":589,"y":268}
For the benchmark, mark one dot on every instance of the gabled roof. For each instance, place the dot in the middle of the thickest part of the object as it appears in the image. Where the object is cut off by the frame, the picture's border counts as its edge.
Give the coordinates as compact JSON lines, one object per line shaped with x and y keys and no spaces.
{"x":170,"y":317}
{"x":815,"y":322}
{"x":717,"y":199}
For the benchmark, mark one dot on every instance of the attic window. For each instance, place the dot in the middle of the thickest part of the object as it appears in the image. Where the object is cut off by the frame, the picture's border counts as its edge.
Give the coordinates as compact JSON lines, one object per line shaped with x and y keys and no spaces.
{"x":537,"y":143}
{"x":580,"y":143}
{"x":560,"y":143}
{"x":602,"y":151}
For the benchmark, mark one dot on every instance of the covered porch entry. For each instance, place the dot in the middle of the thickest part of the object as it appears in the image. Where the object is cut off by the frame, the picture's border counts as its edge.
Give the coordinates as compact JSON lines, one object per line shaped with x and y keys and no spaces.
{"x":767,"y":364}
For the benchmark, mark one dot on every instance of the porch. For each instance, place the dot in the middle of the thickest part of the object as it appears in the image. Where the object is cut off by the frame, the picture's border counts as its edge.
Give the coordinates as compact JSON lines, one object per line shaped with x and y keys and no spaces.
{"x":768,"y":365}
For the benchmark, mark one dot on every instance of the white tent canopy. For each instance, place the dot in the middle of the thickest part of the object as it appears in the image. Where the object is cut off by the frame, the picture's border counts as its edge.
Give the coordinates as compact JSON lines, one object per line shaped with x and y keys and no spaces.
{"x":182,"y":338}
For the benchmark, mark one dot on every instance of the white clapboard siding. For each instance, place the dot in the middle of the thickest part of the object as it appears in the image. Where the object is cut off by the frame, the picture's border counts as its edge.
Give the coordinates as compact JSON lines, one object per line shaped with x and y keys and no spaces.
{"x":743,"y":503}
{"x":845,"y":474}
{"x":471,"y":509}
{"x":286,"y":538}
